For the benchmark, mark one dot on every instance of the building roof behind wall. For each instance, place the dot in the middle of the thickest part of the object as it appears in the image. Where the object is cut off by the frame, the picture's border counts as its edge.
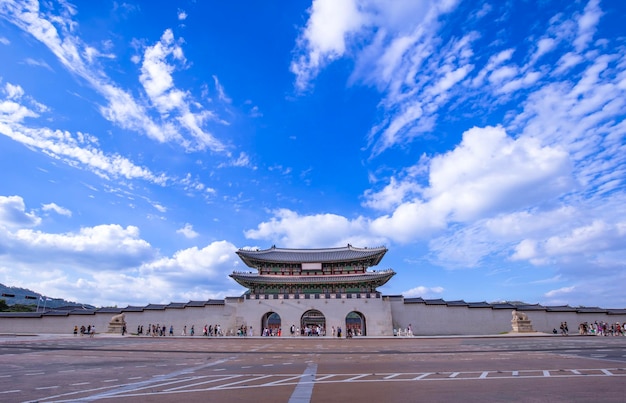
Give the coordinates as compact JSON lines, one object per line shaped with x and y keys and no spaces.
{"x":254,"y":257}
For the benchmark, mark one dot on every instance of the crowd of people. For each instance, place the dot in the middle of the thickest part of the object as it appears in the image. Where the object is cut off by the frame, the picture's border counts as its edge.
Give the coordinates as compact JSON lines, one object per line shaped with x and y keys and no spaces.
{"x":89,"y":330}
{"x":602,"y":329}
{"x":155,"y":330}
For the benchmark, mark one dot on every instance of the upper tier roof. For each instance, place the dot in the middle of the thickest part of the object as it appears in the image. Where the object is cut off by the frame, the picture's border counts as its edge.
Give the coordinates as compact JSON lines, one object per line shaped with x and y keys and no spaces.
{"x":253,"y":258}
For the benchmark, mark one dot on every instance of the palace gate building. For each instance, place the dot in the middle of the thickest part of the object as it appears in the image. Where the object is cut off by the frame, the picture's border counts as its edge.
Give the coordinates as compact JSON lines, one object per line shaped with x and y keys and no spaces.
{"x":315,"y":289}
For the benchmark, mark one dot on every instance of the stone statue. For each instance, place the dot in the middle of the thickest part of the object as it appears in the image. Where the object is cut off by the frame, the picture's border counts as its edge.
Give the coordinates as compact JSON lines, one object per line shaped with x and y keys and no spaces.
{"x":116,"y":323}
{"x":520,"y":322}
{"x":121,"y":318}
{"x":517,"y":316}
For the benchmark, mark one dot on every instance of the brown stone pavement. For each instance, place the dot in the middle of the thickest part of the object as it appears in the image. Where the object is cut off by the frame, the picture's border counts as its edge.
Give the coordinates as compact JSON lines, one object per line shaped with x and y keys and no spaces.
{"x":167,"y":369}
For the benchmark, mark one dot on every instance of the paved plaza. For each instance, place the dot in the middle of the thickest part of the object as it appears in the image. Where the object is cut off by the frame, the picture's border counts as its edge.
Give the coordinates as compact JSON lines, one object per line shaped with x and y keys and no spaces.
{"x":312,"y":369}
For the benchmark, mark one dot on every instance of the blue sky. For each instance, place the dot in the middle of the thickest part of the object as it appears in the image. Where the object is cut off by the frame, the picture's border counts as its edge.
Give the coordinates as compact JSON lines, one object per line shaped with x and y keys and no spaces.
{"x":483,"y":143}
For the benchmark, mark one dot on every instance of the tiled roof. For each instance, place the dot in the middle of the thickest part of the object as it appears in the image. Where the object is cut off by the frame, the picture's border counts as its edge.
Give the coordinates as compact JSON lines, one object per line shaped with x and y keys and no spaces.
{"x":417,"y":300}
{"x":479,"y":305}
{"x":530,"y":307}
{"x":560,"y":308}
{"x":328,"y":255}
{"x":434,"y":302}
{"x":133,"y":309}
{"x":457,"y":303}
{"x":380,"y":277}
{"x":109,"y":310}
{"x":155,"y":307}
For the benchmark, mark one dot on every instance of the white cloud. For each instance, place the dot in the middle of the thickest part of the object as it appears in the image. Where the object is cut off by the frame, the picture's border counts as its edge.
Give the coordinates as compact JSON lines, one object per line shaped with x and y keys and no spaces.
{"x":242,"y":161}
{"x":593,"y":239}
{"x":214,"y":261}
{"x":80,"y":149}
{"x":188,"y":231}
{"x":490,"y":171}
{"x":59,"y":33}
{"x":324,"y":38}
{"x":13,"y":213}
{"x":567,"y":61}
{"x":221,"y":93}
{"x":100,"y":264}
{"x":564,"y":291}
{"x":424,"y":292}
{"x":487,"y":173}
{"x":57,"y":209}
{"x":587,"y":23}
{"x":158,"y":82}
{"x":392,"y":194}
{"x":289,"y":229}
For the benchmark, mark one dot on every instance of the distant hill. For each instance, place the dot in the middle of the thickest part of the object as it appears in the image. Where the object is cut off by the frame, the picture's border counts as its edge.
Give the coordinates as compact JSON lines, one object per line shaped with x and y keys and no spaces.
{"x":24,"y":296}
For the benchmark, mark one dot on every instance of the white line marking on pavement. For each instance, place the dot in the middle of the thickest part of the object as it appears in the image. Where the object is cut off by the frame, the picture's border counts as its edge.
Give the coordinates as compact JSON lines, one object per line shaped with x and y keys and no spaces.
{"x":80,"y":383}
{"x":391,"y":376}
{"x":304,"y":389}
{"x":546,"y":373}
{"x":10,"y":391}
{"x":356,"y":377}
{"x":223,"y":378}
{"x":283,"y":381}
{"x":131,"y":387}
{"x":483,"y":375}
{"x":607,"y":372}
{"x":417,"y":378}
{"x":454,"y":375}
{"x":228,"y":385}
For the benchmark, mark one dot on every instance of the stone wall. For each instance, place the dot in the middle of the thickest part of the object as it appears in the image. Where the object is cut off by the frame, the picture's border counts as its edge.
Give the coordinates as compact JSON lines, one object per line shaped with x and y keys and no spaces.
{"x":382,"y":315}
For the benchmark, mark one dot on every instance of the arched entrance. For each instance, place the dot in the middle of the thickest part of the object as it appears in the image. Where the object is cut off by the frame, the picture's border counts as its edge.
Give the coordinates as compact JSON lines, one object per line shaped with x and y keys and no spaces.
{"x":313,"y":323}
{"x":270,"y":324}
{"x":355,"y":324}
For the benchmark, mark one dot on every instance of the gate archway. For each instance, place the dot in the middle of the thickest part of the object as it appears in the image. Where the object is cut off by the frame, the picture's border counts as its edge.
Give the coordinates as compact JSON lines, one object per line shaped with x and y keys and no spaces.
{"x":355,"y":324}
{"x":313,"y":323}
{"x":271,"y":324}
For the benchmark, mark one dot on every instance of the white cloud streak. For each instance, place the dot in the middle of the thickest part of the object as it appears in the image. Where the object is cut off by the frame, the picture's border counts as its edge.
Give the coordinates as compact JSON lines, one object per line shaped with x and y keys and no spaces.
{"x":58,"y":33}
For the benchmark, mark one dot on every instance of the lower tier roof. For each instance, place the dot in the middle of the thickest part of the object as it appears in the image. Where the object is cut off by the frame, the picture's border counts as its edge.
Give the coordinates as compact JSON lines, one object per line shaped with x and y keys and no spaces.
{"x":376,"y":278}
